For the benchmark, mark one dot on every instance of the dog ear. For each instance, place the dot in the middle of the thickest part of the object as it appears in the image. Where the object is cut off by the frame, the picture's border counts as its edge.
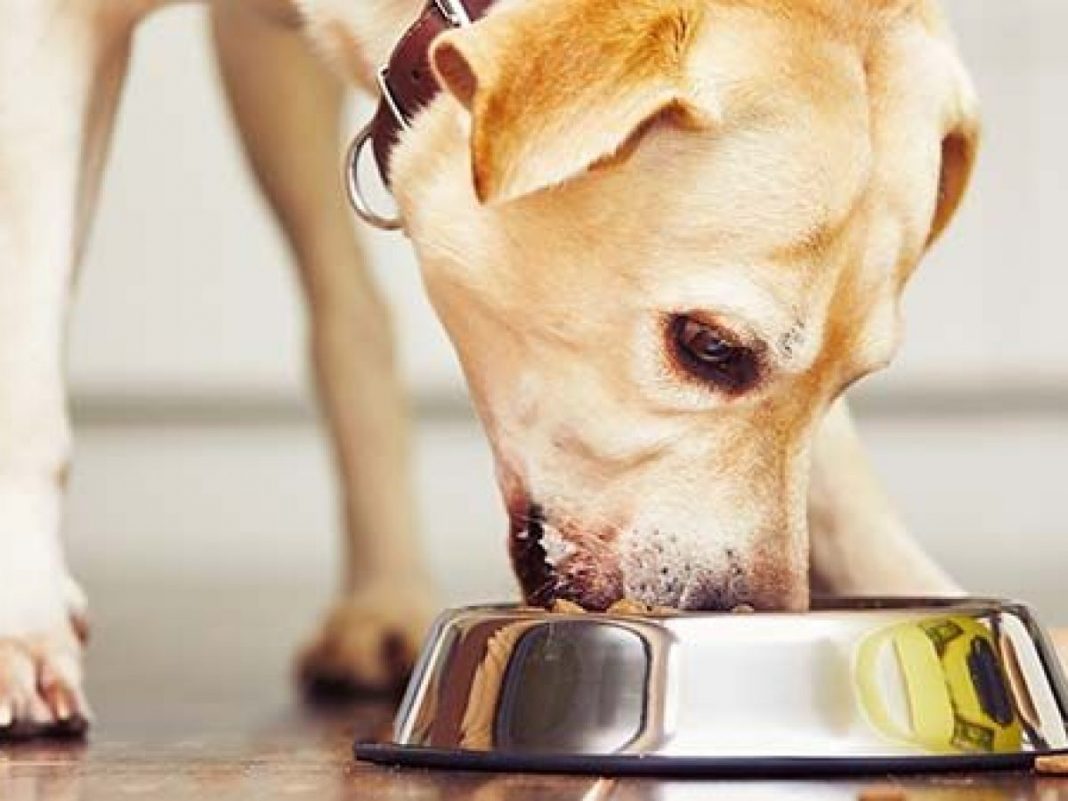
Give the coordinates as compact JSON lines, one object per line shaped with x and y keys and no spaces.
{"x":557,"y":86}
{"x":961,"y":125}
{"x":960,"y":146}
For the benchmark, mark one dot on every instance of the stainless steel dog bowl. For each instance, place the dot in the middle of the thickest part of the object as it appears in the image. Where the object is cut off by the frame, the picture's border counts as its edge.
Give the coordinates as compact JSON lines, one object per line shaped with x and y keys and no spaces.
{"x":857,"y":686}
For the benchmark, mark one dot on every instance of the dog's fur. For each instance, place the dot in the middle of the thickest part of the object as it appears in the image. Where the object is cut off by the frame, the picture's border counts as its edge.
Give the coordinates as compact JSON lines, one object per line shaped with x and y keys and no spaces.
{"x":775,"y":167}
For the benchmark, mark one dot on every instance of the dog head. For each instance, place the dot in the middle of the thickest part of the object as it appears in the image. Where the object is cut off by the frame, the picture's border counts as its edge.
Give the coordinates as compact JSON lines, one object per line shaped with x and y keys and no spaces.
{"x":663,"y":236}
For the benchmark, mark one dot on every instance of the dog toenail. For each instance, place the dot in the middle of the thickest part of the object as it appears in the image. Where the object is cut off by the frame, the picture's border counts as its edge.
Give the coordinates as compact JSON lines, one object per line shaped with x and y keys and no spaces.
{"x":73,"y":726}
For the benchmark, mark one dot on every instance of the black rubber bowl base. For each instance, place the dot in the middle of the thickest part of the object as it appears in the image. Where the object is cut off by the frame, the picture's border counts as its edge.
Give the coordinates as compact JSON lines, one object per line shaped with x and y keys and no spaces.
{"x":705,"y":767}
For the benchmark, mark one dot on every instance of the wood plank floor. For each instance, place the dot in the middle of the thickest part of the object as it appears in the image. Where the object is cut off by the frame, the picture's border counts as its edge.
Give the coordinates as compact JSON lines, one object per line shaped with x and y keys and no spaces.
{"x":193,"y":701}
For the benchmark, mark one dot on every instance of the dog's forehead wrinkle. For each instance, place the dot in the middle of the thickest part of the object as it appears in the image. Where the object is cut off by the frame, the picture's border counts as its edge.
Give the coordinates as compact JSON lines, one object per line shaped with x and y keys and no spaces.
{"x":756,"y":196}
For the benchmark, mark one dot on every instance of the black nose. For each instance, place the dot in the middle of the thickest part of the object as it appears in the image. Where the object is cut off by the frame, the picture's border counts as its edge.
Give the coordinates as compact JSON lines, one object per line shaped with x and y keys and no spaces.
{"x":740,"y":589}
{"x":718,"y":592}
{"x":711,"y":599}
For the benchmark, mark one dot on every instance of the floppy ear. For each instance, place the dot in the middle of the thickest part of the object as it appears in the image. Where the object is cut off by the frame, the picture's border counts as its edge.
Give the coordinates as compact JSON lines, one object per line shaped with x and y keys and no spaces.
{"x":960,"y":147}
{"x":960,"y":142}
{"x":555,"y":87}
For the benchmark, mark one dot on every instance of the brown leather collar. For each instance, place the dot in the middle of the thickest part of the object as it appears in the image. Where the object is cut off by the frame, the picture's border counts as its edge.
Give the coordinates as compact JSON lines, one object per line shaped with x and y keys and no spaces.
{"x":407,"y":82}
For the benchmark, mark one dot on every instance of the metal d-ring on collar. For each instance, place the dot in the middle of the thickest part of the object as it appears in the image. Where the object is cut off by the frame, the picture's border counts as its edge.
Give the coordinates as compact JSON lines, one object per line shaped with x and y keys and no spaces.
{"x":455,"y":13}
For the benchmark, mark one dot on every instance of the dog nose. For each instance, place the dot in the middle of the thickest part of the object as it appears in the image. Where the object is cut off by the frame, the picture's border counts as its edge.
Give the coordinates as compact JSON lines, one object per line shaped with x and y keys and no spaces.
{"x":710,"y":596}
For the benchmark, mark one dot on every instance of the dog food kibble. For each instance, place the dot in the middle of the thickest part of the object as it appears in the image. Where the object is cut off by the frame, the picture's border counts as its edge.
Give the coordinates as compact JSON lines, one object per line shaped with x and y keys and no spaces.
{"x":628,"y":607}
{"x":562,"y":607}
{"x":882,"y":792}
{"x":743,"y":609}
{"x":1053,"y":765}
{"x":623,"y":607}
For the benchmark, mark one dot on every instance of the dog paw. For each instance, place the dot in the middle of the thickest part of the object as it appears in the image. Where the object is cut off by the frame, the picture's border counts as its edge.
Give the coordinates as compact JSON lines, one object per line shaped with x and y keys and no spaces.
{"x":41,"y":684}
{"x":368,"y":643}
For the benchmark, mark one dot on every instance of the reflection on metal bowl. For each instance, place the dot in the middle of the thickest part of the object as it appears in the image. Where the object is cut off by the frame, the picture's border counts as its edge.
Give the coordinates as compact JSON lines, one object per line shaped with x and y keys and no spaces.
{"x":854,"y":686}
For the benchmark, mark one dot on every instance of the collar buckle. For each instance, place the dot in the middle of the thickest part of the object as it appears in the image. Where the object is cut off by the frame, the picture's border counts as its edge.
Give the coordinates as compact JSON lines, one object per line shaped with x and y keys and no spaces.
{"x":455,"y":12}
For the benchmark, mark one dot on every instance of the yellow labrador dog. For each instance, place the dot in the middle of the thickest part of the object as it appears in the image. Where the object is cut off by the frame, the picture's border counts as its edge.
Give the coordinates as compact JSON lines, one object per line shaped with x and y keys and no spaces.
{"x":664,"y":236}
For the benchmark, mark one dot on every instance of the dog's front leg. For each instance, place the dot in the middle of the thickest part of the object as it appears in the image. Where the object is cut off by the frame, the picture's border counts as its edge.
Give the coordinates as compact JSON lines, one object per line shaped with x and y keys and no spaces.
{"x":61,"y":67}
{"x":859,"y":545}
{"x":370,"y":638}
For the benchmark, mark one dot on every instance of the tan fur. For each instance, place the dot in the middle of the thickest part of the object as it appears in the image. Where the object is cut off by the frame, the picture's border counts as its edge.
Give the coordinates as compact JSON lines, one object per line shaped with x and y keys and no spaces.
{"x":376,"y":625}
{"x":791,"y":215}
{"x":538,"y":121}
{"x":62,"y":67}
{"x":777,"y":167}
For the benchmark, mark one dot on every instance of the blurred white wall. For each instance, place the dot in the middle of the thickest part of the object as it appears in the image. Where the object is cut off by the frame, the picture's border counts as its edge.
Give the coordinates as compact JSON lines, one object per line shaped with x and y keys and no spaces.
{"x":196,"y":454}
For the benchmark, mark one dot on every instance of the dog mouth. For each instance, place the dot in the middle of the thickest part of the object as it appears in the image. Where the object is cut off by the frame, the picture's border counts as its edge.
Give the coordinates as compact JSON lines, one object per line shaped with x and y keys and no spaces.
{"x":550,"y":567}
{"x":554,"y":563}
{"x":538,"y":579}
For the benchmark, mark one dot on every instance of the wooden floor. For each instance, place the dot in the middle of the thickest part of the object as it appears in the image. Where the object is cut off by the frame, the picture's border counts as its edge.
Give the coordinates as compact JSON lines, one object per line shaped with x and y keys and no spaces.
{"x":193,"y":701}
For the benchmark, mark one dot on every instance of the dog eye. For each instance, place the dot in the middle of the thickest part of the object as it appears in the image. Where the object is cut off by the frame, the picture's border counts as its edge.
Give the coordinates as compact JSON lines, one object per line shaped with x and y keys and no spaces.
{"x":707,"y":352}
